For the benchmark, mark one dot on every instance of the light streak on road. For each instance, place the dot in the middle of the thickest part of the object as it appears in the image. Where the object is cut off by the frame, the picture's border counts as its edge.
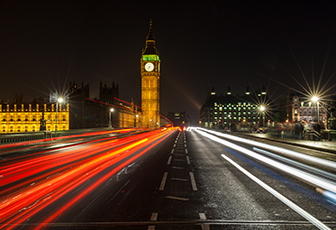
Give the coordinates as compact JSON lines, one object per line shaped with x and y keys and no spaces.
{"x":312,"y":159}
{"x":312,"y":179}
{"x":32,"y":184}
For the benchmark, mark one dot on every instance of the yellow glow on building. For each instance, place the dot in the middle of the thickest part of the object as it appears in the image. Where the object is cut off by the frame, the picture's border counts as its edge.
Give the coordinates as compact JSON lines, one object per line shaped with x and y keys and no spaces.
{"x":17,"y":118}
{"x":150,"y":83}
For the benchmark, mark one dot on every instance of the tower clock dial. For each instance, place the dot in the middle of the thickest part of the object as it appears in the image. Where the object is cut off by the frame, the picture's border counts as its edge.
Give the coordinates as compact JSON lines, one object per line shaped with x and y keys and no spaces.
{"x":149,"y":67}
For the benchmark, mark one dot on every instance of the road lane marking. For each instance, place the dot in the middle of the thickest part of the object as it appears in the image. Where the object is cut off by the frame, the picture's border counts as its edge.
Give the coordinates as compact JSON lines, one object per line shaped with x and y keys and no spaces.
{"x":174,"y":167}
{"x":179,"y":179}
{"x":174,"y":145}
{"x":186,"y":150}
{"x":169,"y":160}
{"x":163,"y":182}
{"x":204,"y":226}
{"x":185,"y":145}
{"x":172,"y":151}
{"x":177,"y":198}
{"x":193,"y":182}
{"x":286,"y":201}
{"x":153,"y":218}
{"x":188,"y":160}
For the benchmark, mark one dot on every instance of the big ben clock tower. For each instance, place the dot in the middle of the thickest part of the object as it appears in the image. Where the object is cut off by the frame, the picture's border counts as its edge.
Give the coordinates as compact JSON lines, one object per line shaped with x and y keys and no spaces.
{"x":150,"y":82}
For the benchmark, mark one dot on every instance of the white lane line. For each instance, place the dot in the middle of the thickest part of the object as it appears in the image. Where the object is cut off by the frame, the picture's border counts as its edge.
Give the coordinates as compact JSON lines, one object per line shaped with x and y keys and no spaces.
{"x":172,"y":151}
{"x":169,"y":160}
{"x":174,"y":145}
{"x":174,"y":167}
{"x":177,"y":198}
{"x":163,"y":182}
{"x":179,"y":179}
{"x":185,"y":145}
{"x":289,"y":203}
{"x":204,"y":226}
{"x":186,"y":150}
{"x":193,"y":182}
{"x":153,"y":218}
{"x":188,"y":160}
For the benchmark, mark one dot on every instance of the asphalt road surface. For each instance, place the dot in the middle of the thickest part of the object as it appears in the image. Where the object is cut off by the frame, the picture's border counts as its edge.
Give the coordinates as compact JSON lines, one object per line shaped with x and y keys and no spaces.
{"x":190,"y":181}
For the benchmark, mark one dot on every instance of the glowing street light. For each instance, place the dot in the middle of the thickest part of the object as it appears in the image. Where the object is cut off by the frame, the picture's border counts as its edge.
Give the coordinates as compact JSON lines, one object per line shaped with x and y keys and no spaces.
{"x":110,"y":118}
{"x":262,"y":109}
{"x":316,"y":99}
{"x":59,"y":100}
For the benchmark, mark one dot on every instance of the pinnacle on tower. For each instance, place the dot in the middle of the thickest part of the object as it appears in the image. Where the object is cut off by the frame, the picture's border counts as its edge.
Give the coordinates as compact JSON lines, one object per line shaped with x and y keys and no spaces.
{"x":150,"y":42}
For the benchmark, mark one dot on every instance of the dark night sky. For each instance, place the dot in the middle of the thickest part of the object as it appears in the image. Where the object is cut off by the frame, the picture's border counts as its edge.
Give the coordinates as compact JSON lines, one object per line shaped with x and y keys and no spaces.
{"x":46,"y":44}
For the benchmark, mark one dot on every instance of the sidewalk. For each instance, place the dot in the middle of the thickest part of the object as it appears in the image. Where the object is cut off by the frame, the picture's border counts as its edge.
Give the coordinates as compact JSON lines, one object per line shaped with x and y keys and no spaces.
{"x":323,"y":145}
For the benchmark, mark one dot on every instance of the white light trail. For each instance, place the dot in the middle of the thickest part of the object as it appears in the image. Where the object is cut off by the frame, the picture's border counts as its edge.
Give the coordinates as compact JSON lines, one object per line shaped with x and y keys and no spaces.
{"x":312,"y":179}
{"x":289,"y":203}
{"x":315,"y":160}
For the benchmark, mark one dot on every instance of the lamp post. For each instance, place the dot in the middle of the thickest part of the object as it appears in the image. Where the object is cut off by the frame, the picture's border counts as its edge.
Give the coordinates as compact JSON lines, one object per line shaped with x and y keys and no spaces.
{"x":59,"y":100}
{"x":316,"y":99}
{"x":135,"y":120}
{"x":110,"y":118}
{"x":262,"y":109}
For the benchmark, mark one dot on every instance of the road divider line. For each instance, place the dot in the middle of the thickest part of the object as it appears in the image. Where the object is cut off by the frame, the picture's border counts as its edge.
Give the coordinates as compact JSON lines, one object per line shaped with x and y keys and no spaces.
{"x":186,"y":151}
{"x":174,"y":145}
{"x":174,"y":167}
{"x":177,"y":198}
{"x":163,"y":182}
{"x":188,"y":160}
{"x":193,"y":182}
{"x":172,"y":151}
{"x":153,"y":218}
{"x":282,"y":198}
{"x":203,"y":217}
{"x":169,"y":160}
{"x":179,"y":179}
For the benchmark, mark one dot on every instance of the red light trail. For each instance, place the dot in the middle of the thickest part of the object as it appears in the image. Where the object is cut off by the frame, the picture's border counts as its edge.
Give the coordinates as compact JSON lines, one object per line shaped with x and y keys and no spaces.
{"x":30,"y":184}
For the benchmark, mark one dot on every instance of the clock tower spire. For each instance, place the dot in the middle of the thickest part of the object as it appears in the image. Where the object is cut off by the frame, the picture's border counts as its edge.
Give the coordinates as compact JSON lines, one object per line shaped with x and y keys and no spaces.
{"x":150,"y":82}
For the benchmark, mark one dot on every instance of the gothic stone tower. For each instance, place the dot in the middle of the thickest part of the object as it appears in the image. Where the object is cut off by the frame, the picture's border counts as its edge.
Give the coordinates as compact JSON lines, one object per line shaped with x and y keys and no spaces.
{"x":150,"y":83}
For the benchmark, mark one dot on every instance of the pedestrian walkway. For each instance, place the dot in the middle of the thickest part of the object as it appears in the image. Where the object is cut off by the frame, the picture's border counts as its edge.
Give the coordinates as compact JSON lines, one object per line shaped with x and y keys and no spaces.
{"x":323,"y":145}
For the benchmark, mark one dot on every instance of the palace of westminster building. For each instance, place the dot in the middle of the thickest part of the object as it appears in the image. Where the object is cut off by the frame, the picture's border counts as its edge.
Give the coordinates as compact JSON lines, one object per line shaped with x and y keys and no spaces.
{"x":78,"y":111}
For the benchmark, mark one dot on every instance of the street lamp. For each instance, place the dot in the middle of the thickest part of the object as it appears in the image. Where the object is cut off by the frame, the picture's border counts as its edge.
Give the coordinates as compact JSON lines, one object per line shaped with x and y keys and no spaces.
{"x":262,"y":109}
{"x":135,"y":120}
{"x":59,"y":100}
{"x":316,"y":99}
{"x":110,"y":118}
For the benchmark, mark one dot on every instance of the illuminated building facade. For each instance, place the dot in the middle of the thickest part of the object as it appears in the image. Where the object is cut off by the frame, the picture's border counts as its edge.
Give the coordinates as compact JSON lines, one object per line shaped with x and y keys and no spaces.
{"x":150,"y":83}
{"x":33,"y":117}
{"x":228,"y":111}
{"x":307,"y":111}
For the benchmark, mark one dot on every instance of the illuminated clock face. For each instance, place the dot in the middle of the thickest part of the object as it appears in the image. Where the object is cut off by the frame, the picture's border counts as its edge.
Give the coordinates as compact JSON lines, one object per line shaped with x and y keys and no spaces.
{"x":149,"y":67}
